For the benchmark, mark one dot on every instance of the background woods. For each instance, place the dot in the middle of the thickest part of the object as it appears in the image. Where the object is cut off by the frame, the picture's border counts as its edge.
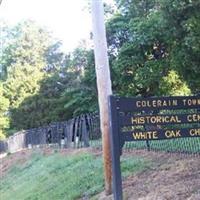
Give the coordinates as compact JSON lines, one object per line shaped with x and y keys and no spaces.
{"x":154,"y":50}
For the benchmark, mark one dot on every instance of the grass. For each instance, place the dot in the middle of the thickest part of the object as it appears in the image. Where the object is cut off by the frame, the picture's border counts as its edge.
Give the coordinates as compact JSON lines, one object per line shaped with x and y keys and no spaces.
{"x":58,"y":177}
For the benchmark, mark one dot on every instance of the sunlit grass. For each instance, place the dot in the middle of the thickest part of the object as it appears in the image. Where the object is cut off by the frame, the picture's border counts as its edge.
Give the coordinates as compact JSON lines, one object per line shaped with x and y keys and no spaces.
{"x":59,"y":177}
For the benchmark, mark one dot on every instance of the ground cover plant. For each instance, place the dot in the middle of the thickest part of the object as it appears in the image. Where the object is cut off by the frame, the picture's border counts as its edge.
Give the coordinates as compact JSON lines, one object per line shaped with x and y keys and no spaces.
{"x":61,"y":176}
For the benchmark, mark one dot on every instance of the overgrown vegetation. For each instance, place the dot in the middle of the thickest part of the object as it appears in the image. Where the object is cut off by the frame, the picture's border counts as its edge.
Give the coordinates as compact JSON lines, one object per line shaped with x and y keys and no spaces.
{"x":154,"y":49}
{"x":61,"y":176}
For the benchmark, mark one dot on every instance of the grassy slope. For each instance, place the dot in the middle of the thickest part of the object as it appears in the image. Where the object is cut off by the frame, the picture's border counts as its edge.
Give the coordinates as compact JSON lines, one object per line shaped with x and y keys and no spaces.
{"x":59,"y":177}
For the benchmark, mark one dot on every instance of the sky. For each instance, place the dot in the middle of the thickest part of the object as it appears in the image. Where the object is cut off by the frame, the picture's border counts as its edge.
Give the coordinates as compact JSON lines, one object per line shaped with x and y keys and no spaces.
{"x":69,"y":20}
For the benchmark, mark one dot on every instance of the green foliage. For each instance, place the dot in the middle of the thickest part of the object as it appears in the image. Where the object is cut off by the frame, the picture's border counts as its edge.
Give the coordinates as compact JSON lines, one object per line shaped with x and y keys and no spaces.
{"x":64,"y":88}
{"x":149,"y":39}
{"x":38,"y":75}
{"x":183,"y":18}
{"x":25,"y":44}
{"x":23,"y":60}
{"x":22,"y":82}
{"x":172,"y":85}
{"x":154,"y":49}
{"x":4,"y":118}
{"x":58,"y":177}
{"x":82,"y":96}
{"x":47,"y":105}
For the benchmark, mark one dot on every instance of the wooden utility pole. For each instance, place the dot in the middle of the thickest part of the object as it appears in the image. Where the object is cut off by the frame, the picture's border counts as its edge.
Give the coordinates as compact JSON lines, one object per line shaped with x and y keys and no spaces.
{"x":103,"y":85}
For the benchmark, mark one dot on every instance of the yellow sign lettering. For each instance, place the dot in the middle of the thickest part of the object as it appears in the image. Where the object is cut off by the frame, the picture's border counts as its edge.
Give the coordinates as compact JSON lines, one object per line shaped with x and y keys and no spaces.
{"x":156,"y":103}
{"x":155,"y":119}
{"x":195,"y":132}
{"x":191,"y":102}
{"x":145,"y":135}
{"x":173,"y":133}
{"x":193,"y":118}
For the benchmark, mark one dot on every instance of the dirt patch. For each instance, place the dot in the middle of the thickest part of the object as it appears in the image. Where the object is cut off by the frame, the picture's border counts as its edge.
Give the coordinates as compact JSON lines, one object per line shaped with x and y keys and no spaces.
{"x":13,"y":159}
{"x":172,"y":177}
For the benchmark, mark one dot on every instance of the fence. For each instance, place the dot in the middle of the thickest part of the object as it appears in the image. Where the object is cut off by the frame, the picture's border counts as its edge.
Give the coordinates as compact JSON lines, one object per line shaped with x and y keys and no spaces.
{"x":3,"y":146}
{"x":82,"y":131}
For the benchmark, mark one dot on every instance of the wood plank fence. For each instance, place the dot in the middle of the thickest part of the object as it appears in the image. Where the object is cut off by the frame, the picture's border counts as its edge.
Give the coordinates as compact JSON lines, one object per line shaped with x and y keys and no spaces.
{"x":76,"y":132}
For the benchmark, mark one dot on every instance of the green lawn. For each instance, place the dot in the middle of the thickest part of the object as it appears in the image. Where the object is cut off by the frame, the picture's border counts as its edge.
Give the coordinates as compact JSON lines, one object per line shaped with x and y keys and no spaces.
{"x":59,"y":177}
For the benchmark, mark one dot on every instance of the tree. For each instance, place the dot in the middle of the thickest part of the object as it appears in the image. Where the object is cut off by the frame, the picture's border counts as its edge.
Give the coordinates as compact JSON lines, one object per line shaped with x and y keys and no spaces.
{"x":81,"y":96}
{"x":65,"y":92}
{"x":24,"y":61}
{"x":153,"y":50}
{"x":150,"y":40}
{"x":4,"y":118}
{"x":30,"y":56}
{"x":183,"y":18}
{"x":43,"y":84}
{"x":47,"y":105}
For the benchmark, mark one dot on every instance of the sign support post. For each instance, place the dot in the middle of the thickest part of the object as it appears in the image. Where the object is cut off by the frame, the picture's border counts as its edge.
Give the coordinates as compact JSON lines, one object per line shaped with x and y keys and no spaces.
{"x":115,"y":150}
